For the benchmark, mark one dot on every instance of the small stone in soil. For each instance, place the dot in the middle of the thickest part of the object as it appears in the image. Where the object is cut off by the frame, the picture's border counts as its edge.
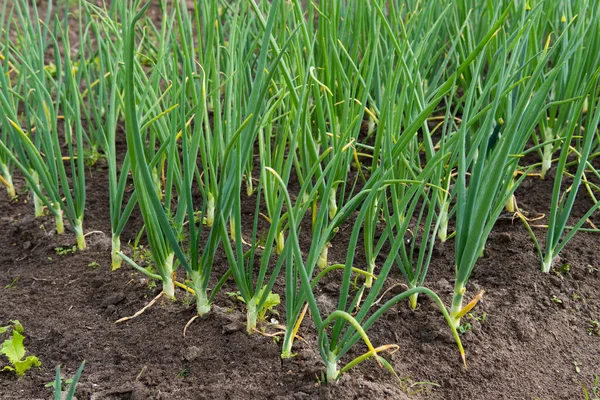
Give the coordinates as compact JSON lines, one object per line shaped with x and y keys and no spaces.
{"x":444,"y":284}
{"x":191,"y":353}
{"x":96,"y":283}
{"x":556,"y":281}
{"x":428,"y":335}
{"x":232,"y":327}
{"x":524,"y":332}
{"x":114,"y":298}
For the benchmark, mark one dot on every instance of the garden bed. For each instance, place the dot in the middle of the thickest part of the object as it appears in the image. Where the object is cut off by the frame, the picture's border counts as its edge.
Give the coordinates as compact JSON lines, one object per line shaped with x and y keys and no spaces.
{"x":528,"y":345}
{"x":342,"y":140}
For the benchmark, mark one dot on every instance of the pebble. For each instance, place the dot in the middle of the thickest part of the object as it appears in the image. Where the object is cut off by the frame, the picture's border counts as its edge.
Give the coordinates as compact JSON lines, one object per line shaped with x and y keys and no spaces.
{"x":191,"y":353}
{"x":96,"y":283}
{"x":444,"y":284}
{"x":428,"y":335}
{"x":556,"y":281}
{"x":524,"y":332}
{"x":114,"y":298}
{"x":232,"y":327}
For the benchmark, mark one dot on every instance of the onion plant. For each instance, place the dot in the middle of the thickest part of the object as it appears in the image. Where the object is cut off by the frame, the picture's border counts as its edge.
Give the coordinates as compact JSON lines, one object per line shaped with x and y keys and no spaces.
{"x":295,"y":299}
{"x":162,"y":236}
{"x":492,"y":157}
{"x":59,"y":394}
{"x":6,"y":167}
{"x":228,"y":146}
{"x":393,"y":118}
{"x":39,"y":147}
{"x":253,"y":290}
{"x":117,"y":179}
{"x":558,"y":234}
{"x":570,"y":21}
{"x":334,"y":347}
{"x":181,"y":178}
{"x":417,"y":245}
{"x":105,"y":116}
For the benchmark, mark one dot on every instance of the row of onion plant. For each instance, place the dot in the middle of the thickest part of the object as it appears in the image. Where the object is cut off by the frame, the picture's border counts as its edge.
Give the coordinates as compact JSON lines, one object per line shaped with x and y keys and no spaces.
{"x":52,"y":102}
{"x":395,"y":121}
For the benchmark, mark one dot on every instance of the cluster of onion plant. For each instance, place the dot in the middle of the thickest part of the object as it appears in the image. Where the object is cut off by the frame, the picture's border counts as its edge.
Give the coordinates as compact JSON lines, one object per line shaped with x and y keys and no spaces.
{"x":490,"y":145}
{"x":404,"y":125}
{"x":570,"y":21}
{"x":382,"y":177}
{"x":6,"y":166}
{"x":224,"y":153}
{"x":571,"y":121}
{"x":50,"y":95}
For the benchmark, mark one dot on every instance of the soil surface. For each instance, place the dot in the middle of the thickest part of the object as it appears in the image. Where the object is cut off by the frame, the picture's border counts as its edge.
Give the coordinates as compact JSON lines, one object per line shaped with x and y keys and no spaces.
{"x":531,"y":336}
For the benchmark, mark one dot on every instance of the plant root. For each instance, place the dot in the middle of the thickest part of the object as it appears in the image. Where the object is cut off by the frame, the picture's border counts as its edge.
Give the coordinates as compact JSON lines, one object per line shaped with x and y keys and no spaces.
{"x":189,"y":323}
{"x":140,"y":312}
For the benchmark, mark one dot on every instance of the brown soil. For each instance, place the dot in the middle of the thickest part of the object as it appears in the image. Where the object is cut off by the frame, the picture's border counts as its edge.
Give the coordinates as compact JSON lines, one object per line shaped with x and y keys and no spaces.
{"x":529,"y":346}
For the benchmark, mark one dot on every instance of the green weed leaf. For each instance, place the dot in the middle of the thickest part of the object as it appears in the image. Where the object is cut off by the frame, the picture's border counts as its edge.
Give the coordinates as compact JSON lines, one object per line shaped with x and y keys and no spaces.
{"x":16,"y":325}
{"x":20,"y":367}
{"x":273,"y":300}
{"x":14,"y":350}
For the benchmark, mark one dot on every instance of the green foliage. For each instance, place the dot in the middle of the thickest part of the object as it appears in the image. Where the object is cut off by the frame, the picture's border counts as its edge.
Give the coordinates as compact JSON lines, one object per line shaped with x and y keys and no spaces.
{"x":65,"y":250}
{"x":14,"y":350}
{"x":465,"y":327}
{"x":593,"y":328}
{"x":63,"y":384}
{"x":92,"y":157}
{"x":59,"y":385}
{"x":555,"y":299}
{"x":594,"y":393}
{"x":561,"y":270}
{"x":390,"y":122}
{"x":12,"y":284}
{"x":184,"y":372}
{"x":94,"y":265}
{"x":272,"y":301}
{"x":15,"y":324}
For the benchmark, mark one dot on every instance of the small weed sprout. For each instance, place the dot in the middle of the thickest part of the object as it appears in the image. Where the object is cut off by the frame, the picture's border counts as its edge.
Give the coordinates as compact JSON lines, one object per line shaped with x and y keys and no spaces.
{"x":12,"y":284}
{"x":65,"y":250}
{"x":465,"y":327}
{"x":94,"y":265}
{"x":184,"y":372}
{"x":594,"y":391}
{"x":593,"y":328}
